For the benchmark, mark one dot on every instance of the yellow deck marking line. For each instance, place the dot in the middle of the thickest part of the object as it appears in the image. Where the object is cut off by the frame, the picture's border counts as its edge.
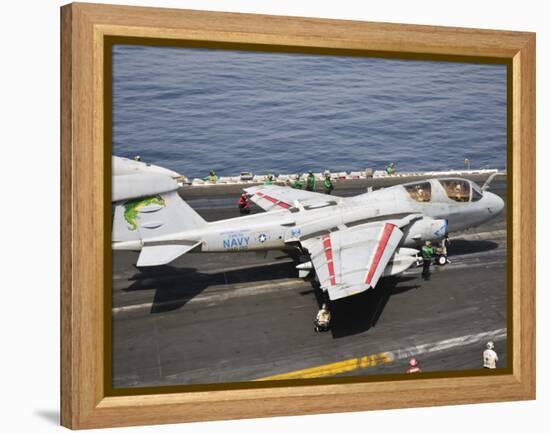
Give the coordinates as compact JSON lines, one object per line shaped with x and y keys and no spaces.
{"x":335,"y":367}
{"x":387,"y":357}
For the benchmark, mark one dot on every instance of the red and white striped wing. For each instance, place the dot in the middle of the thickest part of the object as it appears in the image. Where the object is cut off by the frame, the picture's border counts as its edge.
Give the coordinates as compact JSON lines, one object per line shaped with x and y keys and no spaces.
{"x":386,"y":244}
{"x":352,"y":260}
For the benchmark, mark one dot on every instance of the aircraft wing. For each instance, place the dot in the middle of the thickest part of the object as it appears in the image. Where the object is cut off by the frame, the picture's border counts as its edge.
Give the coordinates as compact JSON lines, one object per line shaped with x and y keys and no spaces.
{"x":274,"y":197}
{"x":352,"y":260}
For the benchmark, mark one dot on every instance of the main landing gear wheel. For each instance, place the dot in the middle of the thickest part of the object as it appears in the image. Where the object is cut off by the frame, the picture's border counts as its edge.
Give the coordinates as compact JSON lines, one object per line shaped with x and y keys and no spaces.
{"x":442,"y":260}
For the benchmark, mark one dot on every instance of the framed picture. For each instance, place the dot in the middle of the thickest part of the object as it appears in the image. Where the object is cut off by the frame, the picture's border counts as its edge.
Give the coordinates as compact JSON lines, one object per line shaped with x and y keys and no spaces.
{"x":268,"y":216}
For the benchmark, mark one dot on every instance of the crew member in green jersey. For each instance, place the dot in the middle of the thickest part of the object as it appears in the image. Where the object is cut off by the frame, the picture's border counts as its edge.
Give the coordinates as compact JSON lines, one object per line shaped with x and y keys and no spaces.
{"x":427,"y":257}
{"x":327,"y":184}
{"x":269,"y":180}
{"x":310,"y":182}
{"x":297,"y":183}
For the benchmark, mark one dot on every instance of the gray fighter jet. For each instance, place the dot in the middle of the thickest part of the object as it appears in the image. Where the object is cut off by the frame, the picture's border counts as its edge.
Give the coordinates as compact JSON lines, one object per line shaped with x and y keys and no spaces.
{"x":352,"y":242}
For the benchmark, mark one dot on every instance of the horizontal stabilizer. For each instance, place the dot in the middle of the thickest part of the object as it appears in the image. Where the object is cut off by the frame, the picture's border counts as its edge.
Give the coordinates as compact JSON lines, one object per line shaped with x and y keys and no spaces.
{"x":158,"y":255}
{"x":133,"y":186}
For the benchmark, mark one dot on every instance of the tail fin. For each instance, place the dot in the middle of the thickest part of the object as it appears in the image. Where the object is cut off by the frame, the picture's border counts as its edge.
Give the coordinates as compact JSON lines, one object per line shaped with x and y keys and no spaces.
{"x":150,"y":217}
{"x":144,"y":220}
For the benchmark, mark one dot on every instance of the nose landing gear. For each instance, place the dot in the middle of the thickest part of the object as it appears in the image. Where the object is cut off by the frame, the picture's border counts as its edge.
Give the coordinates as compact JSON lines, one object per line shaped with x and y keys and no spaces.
{"x":441,"y":258}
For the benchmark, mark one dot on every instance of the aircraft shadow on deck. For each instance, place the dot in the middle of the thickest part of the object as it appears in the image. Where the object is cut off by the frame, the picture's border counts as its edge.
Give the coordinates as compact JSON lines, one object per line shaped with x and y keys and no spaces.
{"x":174,"y":287}
{"x":460,"y":246}
{"x":359,"y":313}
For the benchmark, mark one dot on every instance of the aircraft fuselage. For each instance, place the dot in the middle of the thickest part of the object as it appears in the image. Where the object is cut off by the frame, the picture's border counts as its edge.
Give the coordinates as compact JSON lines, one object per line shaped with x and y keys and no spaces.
{"x":279,"y":229}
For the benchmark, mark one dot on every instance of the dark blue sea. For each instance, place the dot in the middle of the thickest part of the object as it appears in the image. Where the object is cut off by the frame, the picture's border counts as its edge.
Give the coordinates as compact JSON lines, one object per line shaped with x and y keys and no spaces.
{"x":193,"y":110}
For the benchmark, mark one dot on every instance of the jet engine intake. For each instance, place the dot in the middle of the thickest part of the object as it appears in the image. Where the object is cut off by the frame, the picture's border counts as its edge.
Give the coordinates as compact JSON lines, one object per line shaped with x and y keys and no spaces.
{"x":425,"y":229}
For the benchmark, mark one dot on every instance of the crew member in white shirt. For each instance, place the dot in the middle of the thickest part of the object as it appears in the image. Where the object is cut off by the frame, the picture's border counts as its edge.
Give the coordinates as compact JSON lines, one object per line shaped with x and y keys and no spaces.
{"x":490,"y":357}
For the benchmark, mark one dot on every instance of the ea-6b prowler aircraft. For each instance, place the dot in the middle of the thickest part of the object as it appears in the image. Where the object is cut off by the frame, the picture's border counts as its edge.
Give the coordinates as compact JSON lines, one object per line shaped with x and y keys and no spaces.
{"x":352,"y":242}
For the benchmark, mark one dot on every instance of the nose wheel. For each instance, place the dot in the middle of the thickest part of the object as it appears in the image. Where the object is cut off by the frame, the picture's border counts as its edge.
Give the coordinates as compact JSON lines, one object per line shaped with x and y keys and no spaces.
{"x":441,"y":252}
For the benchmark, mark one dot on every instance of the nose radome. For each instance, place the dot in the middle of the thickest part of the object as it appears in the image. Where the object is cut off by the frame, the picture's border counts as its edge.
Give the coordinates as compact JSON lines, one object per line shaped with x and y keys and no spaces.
{"x":496,"y":203}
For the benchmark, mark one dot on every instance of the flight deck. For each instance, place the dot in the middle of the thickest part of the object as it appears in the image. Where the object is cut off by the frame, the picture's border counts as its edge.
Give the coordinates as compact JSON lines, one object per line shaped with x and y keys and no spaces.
{"x":232,"y":317}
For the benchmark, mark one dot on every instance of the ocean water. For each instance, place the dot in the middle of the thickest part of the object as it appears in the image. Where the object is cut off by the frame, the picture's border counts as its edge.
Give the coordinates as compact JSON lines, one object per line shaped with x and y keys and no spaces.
{"x":193,"y":110}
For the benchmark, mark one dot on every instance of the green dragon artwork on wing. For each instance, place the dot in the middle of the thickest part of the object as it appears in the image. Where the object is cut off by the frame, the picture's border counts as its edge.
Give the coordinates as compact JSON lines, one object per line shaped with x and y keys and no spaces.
{"x":132,"y":207}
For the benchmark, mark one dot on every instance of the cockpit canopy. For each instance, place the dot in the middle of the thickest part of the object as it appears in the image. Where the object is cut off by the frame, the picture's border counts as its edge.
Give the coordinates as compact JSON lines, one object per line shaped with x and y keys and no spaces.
{"x":419,"y":191}
{"x":458,"y":190}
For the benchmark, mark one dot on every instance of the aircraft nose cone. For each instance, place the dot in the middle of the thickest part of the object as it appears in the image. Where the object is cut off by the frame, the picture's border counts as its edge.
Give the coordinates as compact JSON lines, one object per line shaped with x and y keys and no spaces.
{"x":496,"y":204}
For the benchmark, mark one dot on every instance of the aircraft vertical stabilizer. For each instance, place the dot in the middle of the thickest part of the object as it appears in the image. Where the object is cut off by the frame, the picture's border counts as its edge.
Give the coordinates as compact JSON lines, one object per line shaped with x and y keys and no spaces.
{"x":153,"y":216}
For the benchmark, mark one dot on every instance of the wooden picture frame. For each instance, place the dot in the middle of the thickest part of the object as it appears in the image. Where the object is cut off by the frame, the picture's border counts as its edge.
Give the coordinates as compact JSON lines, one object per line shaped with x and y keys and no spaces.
{"x":85,"y":188}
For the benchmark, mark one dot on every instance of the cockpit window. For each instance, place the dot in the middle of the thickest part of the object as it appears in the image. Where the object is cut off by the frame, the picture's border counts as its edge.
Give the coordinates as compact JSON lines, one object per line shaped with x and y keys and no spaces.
{"x":457,"y":189}
{"x":476,"y":194}
{"x":421,"y":191}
